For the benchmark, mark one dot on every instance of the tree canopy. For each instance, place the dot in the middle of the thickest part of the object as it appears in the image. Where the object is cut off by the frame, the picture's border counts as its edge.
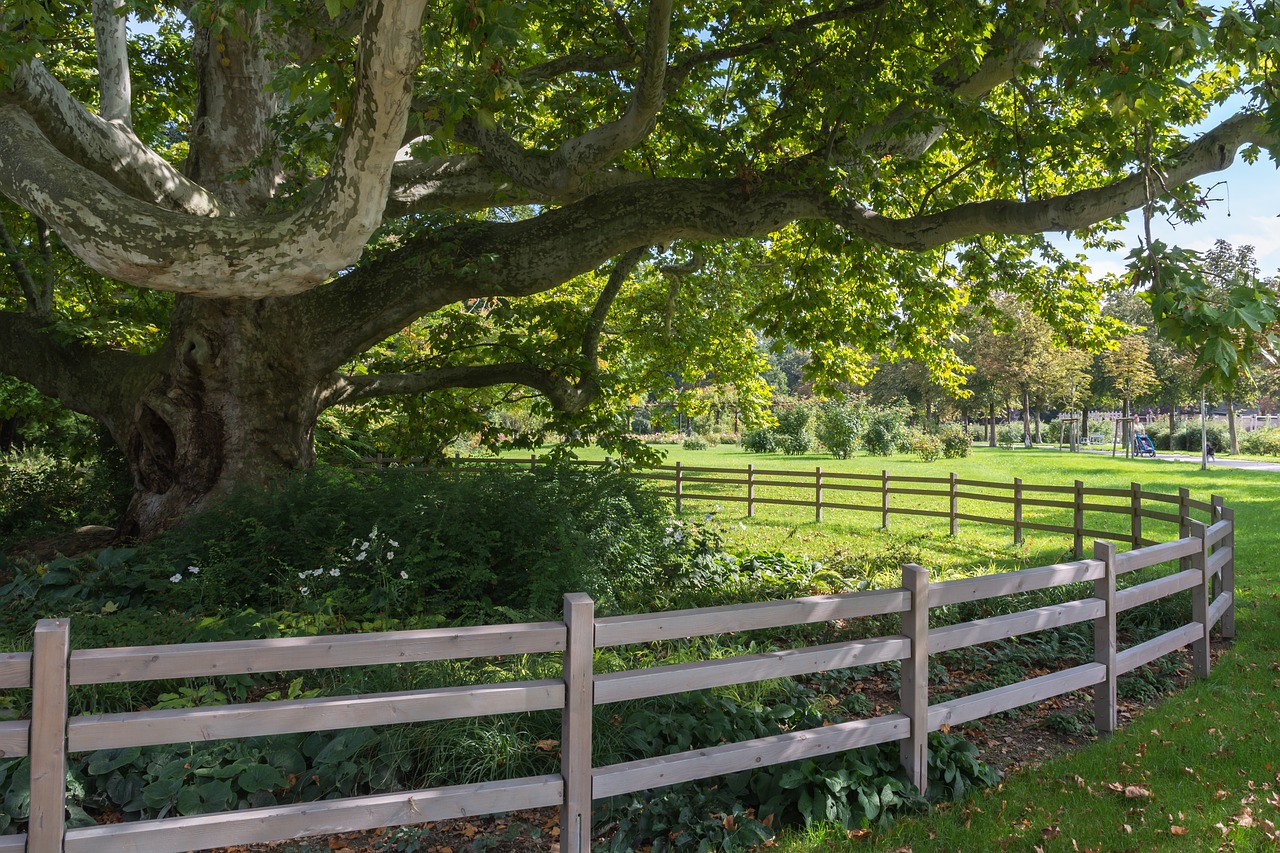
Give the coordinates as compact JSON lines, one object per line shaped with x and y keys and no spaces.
{"x":251,"y":211}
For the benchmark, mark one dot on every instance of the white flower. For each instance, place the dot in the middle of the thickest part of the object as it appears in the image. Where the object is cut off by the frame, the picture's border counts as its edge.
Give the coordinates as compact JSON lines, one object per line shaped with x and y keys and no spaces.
{"x":304,"y":590}
{"x":360,"y":556}
{"x":333,"y":573}
{"x":354,"y":541}
{"x":391,"y":554}
{"x":302,"y":575}
{"x":393,"y":543}
{"x":678,"y":536}
{"x":176,"y":578}
{"x":195,"y":570}
{"x":741,"y":526}
{"x":404,"y":576}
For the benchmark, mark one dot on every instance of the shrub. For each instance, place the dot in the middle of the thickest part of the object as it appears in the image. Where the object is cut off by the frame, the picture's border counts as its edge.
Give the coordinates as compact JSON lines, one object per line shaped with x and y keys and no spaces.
{"x":1261,"y":442}
{"x":1009,"y":435}
{"x":956,"y":443}
{"x":39,"y":492}
{"x":1158,"y":432}
{"x":793,"y":435}
{"x":1188,"y":437}
{"x":696,"y":442}
{"x":928,"y":447}
{"x":759,"y":441}
{"x":409,"y":542}
{"x":840,"y":423}
{"x":884,"y":432}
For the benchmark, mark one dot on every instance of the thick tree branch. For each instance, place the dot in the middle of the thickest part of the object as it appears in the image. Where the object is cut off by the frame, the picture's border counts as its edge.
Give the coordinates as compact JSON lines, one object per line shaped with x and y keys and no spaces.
{"x":534,"y":255}
{"x":105,"y":148}
{"x":114,"y":99}
{"x":564,"y":395}
{"x":101,"y":383}
{"x":595,"y":322}
{"x":254,"y":258}
{"x":562,"y":172}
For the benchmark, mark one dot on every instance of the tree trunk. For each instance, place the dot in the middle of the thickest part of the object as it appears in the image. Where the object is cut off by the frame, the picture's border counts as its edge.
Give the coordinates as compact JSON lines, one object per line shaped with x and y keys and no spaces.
{"x":1231,"y":425}
{"x":1026,"y":418}
{"x":991,"y":424}
{"x":232,"y":406}
{"x":1084,"y":424}
{"x":1126,"y":434}
{"x":1035,"y":425}
{"x":1173,"y":425}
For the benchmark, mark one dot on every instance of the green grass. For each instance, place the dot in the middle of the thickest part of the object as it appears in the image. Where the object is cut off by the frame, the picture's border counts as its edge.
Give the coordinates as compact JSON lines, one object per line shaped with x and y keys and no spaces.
{"x":1205,"y":762}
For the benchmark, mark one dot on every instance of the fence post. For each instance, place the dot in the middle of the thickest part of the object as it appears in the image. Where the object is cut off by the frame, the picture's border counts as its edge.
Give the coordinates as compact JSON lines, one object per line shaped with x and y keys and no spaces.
{"x":533,"y":461}
{"x":1135,"y":515}
{"x":1077,"y":520}
{"x":575,"y":732}
{"x":47,"y":746}
{"x":817,"y":488}
{"x":1105,"y":715}
{"x":914,"y":677}
{"x":955,"y":522}
{"x":751,"y":491}
{"x":1184,"y":524}
{"x":679,"y":487}
{"x":1017,"y":510}
{"x":884,"y":500}
{"x":1229,"y":576}
{"x":1215,"y":515}
{"x":1200,"y":601}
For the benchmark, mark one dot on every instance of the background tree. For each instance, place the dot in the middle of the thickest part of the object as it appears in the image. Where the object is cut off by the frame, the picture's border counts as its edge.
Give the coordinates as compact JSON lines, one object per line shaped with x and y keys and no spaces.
{"x":582,"y":198}
{"x":1131,"y":375}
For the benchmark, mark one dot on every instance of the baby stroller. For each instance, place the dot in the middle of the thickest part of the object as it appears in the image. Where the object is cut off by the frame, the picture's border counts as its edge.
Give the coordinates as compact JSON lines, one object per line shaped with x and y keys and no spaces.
{"x":1142,"y":445}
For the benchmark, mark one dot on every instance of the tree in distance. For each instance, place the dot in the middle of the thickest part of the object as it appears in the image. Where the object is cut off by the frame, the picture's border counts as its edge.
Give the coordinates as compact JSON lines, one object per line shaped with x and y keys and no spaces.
{"x":221,"y":225}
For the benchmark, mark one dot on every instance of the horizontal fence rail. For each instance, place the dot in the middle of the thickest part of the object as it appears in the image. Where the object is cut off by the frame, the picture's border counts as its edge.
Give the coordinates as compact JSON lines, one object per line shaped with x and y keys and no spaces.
{"x":1203,"y":554}
{"x":958,"y":499}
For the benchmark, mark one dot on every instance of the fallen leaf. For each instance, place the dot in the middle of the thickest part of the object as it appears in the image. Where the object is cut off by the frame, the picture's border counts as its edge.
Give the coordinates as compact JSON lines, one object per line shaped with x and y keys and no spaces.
{"x":1178,"y":830}
{"x":1135,"y":792}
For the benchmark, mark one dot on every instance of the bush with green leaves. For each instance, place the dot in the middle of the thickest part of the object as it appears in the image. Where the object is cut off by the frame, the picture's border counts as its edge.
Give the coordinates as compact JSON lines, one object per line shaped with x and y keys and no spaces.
{"x":840,"y":424}
{"x":956,"y":443}
{"x":793,"y":435}
{"x":885,"y":431}
{"x":759,"y":441}
{"x":1261,"y":442}
{"x":926,"y":445}
{"x":1008,"y":435}
{"x":40,"y":493}
{"x":696,"y":442}
{"x":1188,"y":437}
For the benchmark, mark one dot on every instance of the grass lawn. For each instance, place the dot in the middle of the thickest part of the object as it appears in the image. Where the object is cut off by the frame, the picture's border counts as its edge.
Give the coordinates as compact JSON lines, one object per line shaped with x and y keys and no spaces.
{"x":1200,"y":771}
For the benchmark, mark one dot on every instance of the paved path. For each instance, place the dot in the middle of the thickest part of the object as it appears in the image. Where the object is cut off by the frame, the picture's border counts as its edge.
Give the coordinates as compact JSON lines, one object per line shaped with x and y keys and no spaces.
{"x":1220,"y":462}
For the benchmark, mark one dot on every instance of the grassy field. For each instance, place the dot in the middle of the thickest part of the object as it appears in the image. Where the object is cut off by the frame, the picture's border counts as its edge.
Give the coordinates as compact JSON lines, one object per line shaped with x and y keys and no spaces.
{"x":1200,"y":771}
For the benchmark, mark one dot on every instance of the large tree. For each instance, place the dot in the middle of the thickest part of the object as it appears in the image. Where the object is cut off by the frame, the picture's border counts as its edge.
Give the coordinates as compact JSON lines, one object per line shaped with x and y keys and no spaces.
{"x":890,"y":161}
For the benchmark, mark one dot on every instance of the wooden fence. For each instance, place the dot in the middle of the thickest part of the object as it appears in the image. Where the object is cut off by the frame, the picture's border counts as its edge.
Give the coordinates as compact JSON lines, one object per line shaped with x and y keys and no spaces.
{"x":1206,"y":568}
{"x":955,"y":496}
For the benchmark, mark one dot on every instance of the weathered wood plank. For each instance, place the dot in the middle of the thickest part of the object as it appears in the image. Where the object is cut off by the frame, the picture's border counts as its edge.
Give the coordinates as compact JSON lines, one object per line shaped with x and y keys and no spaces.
{"x":183,"y":725}
{"x":715,"y":481}
{"x":742,"y":669}
{"x":1157,"y":647}
{"x":144,"y":663}
{"x":1105,"y":642}
{"x":845,"y":487}
{"x":48,"y":747}
{"x":1099,"y":492}
{"x":979,"y":705}
{"x":729,"y":758}
{"x":1220,"y":558}
{"x":13,"y":843}
{"x":913,"y":683}
{"x":250,"y":826}
{"x":15,"y":670}
{"x":1144,"y":593}
{"x":1217,"y":532}
{"x":576,"y":725}
{"x":984,"y":484}
{"x":927,"y":513}
{"x":929,"y":493}
{"x":1154,"y":555}
{"x":854,"y":507}
{"x":1095,"y":533}
{"x":14,"y":738}
{"x":1162,"y":497}
{"x":978,"y":496}
{"x":1008,"y":583}
{"x":1112,"y":508}
{"x":985,"y":519}
{"x":1219,"y":606}
{"x":1201,"y":653}
{"x":939,"y":480}
{"x":672,"y":624}
{"x":1048,"y":528}
{"x":1013,"y":624}
{"x":1047,"y":502}
{"x":1170,"y":517}
{"x":1053,"y":490}
{"x":806,"y":483}
{"x":1202,"y":506}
